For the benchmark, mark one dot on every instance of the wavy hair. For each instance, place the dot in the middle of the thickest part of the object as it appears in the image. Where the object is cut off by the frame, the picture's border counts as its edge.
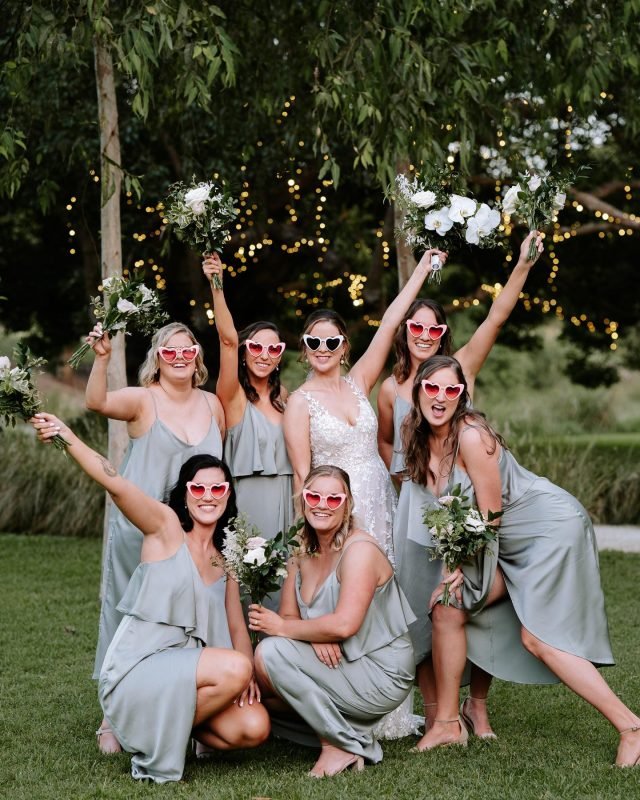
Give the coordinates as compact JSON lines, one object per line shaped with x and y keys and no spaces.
{"x":416,"y":430}
{"x":149,"y":372}
{"x":177,"y":495}
{"x":325,"y":315}
{"x":308,"y":537}
{"x":402,"y":367}
{"x":273,"y":381}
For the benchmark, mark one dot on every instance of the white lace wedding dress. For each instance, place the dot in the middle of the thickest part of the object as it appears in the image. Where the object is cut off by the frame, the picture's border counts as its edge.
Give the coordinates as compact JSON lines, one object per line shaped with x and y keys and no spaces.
{"x":354,"y":448}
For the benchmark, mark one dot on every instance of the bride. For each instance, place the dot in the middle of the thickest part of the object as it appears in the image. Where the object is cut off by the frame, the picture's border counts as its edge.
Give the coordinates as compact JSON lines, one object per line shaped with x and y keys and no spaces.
{"x":329,"y":420}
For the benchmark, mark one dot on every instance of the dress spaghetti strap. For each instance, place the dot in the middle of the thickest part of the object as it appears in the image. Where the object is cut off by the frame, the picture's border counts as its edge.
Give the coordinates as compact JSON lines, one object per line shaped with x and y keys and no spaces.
{"x":395,"y":385}
{"x":153,"y":400}
{"x":206,"y":400}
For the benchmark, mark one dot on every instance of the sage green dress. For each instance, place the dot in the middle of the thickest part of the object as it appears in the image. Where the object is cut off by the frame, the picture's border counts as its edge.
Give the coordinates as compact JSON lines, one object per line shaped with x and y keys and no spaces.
{"x":147,"y":685}
{"x":400,"y":410}
{"x":263,"y":477}
{"x":374,"y":676}
{"x":152,"y":462}
{"x":548,"y":555}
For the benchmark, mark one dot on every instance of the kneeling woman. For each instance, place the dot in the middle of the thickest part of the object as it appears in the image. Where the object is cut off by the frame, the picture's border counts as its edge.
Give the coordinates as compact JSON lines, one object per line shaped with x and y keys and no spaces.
{"x":544,"y":567}
{"x":339,"y":653}
{"x":160,"y":683}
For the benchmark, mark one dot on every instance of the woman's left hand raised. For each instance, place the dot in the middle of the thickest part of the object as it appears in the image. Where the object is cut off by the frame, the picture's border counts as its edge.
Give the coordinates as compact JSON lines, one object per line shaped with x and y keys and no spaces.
{"x":265,"y":621}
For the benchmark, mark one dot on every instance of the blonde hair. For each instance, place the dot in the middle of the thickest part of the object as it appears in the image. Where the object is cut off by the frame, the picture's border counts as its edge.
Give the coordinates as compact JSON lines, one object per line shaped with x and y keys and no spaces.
{"x":149,"y":371}
{"x":307,"y":536}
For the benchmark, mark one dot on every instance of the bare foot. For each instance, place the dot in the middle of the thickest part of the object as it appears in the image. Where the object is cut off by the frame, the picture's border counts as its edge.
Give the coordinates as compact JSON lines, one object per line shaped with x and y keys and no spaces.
{"x":333,"y":760}
{"x":107,"y":742}
{"x":443,"y":734}
{"x":474,"y":713}
{"x":429,"y":715}
{"x":628,"y":754}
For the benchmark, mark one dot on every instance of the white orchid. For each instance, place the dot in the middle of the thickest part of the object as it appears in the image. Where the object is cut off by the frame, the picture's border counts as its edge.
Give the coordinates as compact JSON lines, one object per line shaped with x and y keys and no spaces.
{"x":559,"y":200}
{"x":535,"y":182}
{"x":195,"y":198}
{"x":256,"y":557}
{"x":482,"y":224}
{"x":438,"y":221}
{"x":461,"y":208}
{"x":5,"y":364}
{"x":126,"y":306}
{"x":256,"y":542}
{"x":510,"y":202}
{"x":423,"y":199}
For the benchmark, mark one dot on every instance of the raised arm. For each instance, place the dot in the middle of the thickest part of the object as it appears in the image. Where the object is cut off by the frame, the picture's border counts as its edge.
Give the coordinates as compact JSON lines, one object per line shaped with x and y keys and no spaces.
{"x":473,"y":355}
{"x":362,"y":569}
{"x":386,"y":397}
{"x":298,"y":438}
{"x":367,"y":369}
{"x":147,"y":514}
{"x":228,"y":387}
{"x":123,"y":404}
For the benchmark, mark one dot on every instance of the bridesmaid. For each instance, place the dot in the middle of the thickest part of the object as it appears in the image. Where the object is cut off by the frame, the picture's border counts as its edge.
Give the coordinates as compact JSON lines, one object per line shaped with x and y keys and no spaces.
{"x":161,"y":683}
{"x":168,"y":419}
{"x":253,"y":400}
{"x":424,"y":333}
{"x":544,"y":566}
{"x":338,"y":654}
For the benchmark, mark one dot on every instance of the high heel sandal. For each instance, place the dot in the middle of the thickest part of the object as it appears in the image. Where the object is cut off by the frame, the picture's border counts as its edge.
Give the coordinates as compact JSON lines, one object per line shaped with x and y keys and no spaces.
{"x":356,"y":763}
{"x":461,"y":741}
{"x":469,"y":722}
{"x":109,"y":749}
{"x":635,"y":763}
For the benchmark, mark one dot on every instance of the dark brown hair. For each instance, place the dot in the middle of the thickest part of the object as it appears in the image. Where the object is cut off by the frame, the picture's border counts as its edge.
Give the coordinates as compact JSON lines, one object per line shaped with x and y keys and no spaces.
{"x":416,"y":430}
{"x":325,"y":315}
{"x":273,"y":381}
{"x":402,"y":367}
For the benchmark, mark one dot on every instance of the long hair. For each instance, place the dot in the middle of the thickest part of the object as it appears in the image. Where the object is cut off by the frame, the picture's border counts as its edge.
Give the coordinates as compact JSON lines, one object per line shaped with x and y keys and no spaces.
{"x":325,"y":315}
{"x":149,"y":372}
{"x":402,"y":367}
{"x":273,"y":381}
{"x":308,"y":536}
{"x":416,"y":430}
{"x":176,"y":499}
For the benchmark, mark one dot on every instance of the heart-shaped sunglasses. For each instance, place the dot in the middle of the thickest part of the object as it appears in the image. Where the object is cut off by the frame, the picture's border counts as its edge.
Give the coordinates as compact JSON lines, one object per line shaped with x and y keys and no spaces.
{"x":331,"y":501}
{"x":170,"y":354}
{"x":257,"y":350}
{"x":451,"y":392}
{"x":332,"y":343}
{"x":434,"y":332}
{"x":216,"y":490}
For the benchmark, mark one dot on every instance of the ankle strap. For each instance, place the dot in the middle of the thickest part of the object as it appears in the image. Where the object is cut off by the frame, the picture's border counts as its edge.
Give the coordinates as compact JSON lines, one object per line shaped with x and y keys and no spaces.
{"x":477,"y":699}
{"x":447,"y":721}
{"x":429,"y":705}
{"x":633,"y":729}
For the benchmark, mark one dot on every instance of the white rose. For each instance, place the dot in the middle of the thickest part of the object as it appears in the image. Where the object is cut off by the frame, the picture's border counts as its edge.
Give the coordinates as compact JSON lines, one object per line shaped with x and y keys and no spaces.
{"x":559,"y":200}
{"x":423,"y":199}
{"x":510,"y":202}
{"x":5,"y":364}
{"x":255,"y":542}
{"x":438,"y":221}
{"x":535,"y":181}
{"x":256,"y":557}
{"x":446,"y":499}
{"x":108,"y":283}
{"x":461,"y":207}
{"x":196,"y":197}
{"x":126,"y":307}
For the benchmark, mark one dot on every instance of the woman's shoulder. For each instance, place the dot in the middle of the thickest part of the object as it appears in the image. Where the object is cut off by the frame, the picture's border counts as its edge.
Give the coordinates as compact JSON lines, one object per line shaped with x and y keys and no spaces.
{"x":476,"y":432}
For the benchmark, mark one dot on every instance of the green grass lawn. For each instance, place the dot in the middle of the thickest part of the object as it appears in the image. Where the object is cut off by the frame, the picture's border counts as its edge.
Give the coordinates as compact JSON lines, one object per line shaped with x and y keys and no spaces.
{"x":552,"y":745}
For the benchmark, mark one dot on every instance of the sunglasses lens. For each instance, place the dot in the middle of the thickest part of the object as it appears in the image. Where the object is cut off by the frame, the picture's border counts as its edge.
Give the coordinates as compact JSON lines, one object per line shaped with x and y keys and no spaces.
{"x":218,"y":490}
{"x":276,"y":350}
{"x":437,"y":331}
{"x":312,"y":499}
{"x":333,"y":343}
{"x":254,"y":349}
{"x":189,"y":353}
{"x":415,"y":328}
{"x":431,"y":389}
{"x":452,"y":392}
{"x":196,"y":490}
{"x":334,"y":501}
{"x":312,"y":342}
{"x":167,"y":354}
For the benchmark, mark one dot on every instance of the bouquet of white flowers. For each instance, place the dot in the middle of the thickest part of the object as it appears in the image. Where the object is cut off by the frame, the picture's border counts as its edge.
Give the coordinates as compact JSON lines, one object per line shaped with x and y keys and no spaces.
{"x":257,"y":564}
{"x":202,"y":214}
{"x":128,"y":304}
{"x":458,"y":531}
{"x":436,"y":215}
{"x":536,"y":199}
{"x":19,"y":398}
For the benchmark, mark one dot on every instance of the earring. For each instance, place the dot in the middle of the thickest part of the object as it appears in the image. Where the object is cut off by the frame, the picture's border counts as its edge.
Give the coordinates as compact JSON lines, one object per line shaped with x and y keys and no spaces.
{"x":342,"y":359}
{"x":277,"y":367}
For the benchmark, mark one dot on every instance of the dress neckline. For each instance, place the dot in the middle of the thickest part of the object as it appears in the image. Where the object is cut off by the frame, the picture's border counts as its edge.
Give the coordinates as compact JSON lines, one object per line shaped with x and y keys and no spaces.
{"x":182,"y":441}
{"x":358,"y":395}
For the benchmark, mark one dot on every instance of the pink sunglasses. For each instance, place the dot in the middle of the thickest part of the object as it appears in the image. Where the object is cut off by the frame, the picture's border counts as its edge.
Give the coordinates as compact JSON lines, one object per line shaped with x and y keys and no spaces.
{"x":434,"y":332}
{"x":331,"y":501}
{"x":451,"y":392}
{"x":216,"y":490}
{"x":272,"y":350}
{"x":170,"y":354}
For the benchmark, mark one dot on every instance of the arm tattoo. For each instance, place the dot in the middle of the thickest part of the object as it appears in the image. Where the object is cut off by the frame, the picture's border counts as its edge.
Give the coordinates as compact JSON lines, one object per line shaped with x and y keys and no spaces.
{"x":108,"y":467}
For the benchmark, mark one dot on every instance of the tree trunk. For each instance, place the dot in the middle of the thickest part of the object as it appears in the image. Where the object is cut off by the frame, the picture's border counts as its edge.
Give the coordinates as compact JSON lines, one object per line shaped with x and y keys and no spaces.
{"x":111,"y":238}
{"x":404,"y":254}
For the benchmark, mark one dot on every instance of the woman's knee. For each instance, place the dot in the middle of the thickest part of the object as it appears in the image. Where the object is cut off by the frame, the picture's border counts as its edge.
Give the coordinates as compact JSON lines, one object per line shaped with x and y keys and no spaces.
{"x":228,"y":668}
{"x":447,"y":617}
{"x":256,"y":726}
